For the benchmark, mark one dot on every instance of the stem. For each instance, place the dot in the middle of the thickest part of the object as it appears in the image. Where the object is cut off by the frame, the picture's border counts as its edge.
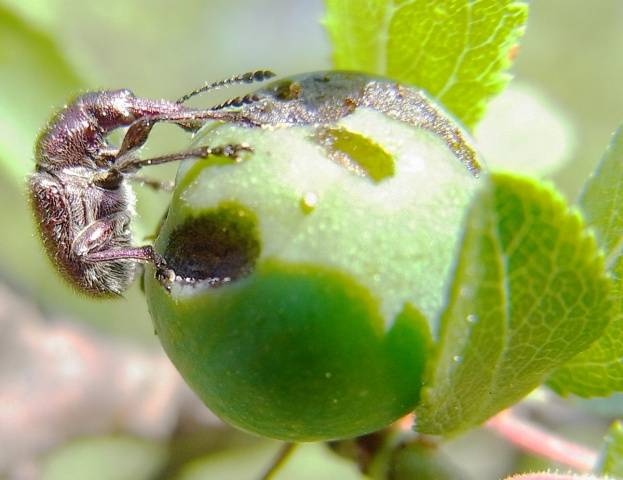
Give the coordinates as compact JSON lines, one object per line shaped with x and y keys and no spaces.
{"x":280,"y":459}
{"x":553,"y":476}
{"x":533,"y":439}
{"x":69,"y":382}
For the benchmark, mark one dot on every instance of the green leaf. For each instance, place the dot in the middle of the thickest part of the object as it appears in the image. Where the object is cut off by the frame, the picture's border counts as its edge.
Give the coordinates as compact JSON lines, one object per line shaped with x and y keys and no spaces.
{"x":105,"y":458}
{"x":457,"y":50}
{"x":611,"y":461}
{"x":421,"y":461}
{"x":599,"y":370}
{"x":310,"y":461}
{"x":529,"y":293}
{"x":38,"y":76}
{"x":602,"y":200}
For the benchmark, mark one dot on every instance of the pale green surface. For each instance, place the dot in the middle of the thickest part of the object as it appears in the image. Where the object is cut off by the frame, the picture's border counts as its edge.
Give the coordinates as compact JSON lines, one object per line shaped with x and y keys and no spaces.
{"x":38,"y":79}
{"x":105,"y":458}
{"x":524,"y":131}
{"x":599,"y":370}
{"x":588,"y":87}
{"x":529,"y":293}
{"x":312,"y":461}
{"x":611,"y":458}
{"x":456,"y":50}
{"x":387,"y":238}
{"x":34,"y":71}
{"x":602,"y":200}
{"x":257,"y":349}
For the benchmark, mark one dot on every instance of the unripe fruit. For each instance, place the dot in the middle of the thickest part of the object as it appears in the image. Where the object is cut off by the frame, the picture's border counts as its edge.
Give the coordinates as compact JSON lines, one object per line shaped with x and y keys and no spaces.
{"x":319,"y":258}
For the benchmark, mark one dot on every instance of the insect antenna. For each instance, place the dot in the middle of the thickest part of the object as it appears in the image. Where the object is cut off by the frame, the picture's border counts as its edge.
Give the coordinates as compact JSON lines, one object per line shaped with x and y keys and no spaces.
{"x":237,"y":102}
{"x":249,"y":77}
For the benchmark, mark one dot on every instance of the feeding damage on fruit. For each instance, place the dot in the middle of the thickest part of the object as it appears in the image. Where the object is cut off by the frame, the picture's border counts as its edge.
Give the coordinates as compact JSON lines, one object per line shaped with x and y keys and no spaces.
{"x":214,"y":248}
{"x":358,"y":154}
{"x":328,"y":143}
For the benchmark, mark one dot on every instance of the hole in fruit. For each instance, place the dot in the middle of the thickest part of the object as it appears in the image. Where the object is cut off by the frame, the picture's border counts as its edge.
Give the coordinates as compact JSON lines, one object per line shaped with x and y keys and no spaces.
{"x":218,"y":246}
{"x":356,"y":153}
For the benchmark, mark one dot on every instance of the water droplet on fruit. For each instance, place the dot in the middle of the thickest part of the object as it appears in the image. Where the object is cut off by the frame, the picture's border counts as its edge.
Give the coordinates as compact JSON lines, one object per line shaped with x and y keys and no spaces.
{"x":309,"y":201}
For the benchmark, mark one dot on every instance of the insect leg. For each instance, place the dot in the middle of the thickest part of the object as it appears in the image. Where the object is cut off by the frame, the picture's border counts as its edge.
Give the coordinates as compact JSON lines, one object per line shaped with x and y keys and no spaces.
{"x":136,"y":135}
{"x":155,"y":184}
{"x":97,"y":234}
{"x":132,"y":164}
{"x":90,"y":246}
{"x":144,"y":253}
{"x":138,"y":132}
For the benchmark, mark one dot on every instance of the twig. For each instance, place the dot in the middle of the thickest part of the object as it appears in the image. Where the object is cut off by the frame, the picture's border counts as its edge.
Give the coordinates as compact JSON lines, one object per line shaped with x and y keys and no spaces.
{"x":280,"y":459}
{"x":553,"y":476}
{"x":533,"y":439}
{"x":59,"y":381}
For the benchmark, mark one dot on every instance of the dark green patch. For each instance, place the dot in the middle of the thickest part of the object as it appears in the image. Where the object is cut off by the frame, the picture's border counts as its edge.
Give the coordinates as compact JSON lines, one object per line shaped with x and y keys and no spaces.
{"x":218,"y":246}
{"x":296,"y":351}
{"x":357,"y":153}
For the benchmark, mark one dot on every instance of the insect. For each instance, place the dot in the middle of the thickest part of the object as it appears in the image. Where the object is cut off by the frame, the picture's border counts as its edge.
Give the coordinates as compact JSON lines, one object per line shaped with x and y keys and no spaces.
{"x":81,"y":199}
{"x":80,"y":193}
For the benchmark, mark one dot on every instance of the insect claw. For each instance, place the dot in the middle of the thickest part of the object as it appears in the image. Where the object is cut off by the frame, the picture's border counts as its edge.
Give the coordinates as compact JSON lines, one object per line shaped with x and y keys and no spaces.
{"x":166,"y":277}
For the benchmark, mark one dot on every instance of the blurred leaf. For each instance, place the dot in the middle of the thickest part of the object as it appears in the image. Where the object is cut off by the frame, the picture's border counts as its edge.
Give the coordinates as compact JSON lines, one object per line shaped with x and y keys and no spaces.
{"x":524,"y":131}
{"x":602,"y":199}
{"x":605,"y":407}
{"x":611,"y":461}
{"x":106,"y":458}
{"x":529,"y":292}
{"x":310,"y":461}
{"x":39,"y":80}
{"x":456,"y":50}
{"x":37,"y":76}
{"x":23,"y":263}
{"x":419,"y":461}
{"x":599,"y":370}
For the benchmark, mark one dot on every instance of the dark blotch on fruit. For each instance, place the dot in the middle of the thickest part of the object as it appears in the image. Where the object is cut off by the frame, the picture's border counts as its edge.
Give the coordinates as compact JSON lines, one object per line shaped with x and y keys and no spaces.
{"x":219,"y":246}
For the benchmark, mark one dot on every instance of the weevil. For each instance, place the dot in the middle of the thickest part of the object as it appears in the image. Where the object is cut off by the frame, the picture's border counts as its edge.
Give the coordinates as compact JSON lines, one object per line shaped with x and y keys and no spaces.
{"x":80,"y":195}
{"x":81,"y":199}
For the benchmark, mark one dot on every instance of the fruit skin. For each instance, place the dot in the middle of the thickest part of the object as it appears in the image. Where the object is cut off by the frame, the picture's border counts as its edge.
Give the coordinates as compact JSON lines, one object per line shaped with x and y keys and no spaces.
{"x":294,"y":352}
{"x":322,"y":330}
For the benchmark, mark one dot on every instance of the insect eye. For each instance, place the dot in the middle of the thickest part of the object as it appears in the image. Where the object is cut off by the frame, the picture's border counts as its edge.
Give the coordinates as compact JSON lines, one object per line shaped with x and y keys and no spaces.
{"x":110,"y":180}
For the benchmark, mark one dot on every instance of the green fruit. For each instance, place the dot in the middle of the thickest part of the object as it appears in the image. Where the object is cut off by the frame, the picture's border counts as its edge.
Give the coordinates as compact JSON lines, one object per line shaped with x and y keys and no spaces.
{"x":317,"y":276}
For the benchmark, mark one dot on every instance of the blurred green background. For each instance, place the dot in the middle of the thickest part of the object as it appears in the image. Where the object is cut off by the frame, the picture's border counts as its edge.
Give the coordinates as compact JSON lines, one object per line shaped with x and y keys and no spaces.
{"x":558,"y":115}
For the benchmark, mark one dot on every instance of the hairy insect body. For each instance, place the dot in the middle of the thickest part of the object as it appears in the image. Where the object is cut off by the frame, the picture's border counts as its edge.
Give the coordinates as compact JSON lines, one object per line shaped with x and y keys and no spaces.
{"x":77,"y":218}
{"x":76,"y":136}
